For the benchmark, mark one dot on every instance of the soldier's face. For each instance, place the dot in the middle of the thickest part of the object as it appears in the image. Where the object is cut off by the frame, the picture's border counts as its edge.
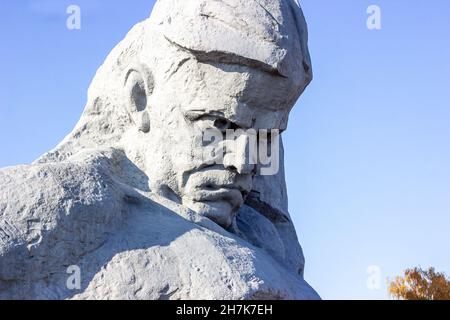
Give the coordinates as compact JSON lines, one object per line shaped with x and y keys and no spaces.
{"x":201,"y":97}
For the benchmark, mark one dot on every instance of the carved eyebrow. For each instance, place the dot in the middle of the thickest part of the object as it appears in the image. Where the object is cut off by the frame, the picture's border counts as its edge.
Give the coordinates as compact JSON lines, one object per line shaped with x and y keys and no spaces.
{"x":213,"y":57}
{"x":196,"y":114}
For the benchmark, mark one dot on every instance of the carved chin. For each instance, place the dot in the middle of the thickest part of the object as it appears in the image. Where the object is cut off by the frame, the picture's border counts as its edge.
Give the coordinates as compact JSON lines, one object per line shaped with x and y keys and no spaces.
{"x":221,"y":212}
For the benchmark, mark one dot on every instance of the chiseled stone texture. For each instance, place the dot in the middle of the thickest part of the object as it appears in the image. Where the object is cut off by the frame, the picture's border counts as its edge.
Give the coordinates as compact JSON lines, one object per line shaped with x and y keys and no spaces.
{"x":126,"y":196}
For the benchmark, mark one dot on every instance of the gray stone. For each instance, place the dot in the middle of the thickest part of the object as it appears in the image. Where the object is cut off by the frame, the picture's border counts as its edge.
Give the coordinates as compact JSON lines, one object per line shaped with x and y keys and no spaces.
{"x":128,"y":197}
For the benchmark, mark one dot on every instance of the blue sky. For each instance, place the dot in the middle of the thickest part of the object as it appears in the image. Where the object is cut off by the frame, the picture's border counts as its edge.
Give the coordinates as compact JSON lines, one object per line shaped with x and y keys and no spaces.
{"x":367,"y":149}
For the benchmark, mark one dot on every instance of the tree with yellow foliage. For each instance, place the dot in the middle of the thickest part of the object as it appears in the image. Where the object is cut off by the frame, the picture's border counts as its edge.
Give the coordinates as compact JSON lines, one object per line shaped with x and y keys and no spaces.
{"x":418,"y":284}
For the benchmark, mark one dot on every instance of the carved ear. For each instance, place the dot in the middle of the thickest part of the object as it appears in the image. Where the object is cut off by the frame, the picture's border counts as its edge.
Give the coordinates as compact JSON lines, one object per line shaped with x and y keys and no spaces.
{"x":138,"y":88}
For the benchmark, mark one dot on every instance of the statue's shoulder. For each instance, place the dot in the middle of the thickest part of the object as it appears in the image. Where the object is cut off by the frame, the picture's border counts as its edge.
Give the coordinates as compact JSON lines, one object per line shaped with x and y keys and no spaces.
{"x":51,"y":213}
{"x":32,"y":191}
{"x":84,"y":212}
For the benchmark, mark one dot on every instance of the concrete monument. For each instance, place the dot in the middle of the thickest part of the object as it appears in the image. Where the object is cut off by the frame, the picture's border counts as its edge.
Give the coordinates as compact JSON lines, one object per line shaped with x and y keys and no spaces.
{"x":127,"y":207}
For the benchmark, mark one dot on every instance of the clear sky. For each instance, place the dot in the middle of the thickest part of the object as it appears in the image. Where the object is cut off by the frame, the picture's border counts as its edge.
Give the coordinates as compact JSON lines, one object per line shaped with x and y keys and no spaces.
{"x":367,"y":148}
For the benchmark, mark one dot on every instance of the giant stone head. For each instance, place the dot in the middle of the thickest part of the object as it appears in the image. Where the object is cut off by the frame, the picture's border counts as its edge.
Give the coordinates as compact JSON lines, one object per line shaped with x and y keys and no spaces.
{"x":196,"y":65}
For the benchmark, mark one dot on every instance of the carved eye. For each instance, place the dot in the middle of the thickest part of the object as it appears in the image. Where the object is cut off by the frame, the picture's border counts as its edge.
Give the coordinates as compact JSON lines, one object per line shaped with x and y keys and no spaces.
{"x":222,"y":124}
{"x":211,"y":121}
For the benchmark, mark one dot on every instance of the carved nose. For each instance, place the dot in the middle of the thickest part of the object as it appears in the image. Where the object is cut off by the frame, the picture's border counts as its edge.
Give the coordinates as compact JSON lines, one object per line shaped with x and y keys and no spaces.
{"x":240,"y":158}
{"x":241,"y":168}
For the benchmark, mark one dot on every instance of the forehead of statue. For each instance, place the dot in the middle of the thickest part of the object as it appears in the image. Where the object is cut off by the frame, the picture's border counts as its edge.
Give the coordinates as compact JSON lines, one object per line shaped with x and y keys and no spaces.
{"x":249,"y":97}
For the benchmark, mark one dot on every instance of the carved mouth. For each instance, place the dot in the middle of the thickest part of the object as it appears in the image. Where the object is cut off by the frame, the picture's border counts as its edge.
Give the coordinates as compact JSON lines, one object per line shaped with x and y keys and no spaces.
{"x":218,"y":192}
{"x":213,"y":187}
{"x":212,"y":194}
{"x":217,"y":185}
